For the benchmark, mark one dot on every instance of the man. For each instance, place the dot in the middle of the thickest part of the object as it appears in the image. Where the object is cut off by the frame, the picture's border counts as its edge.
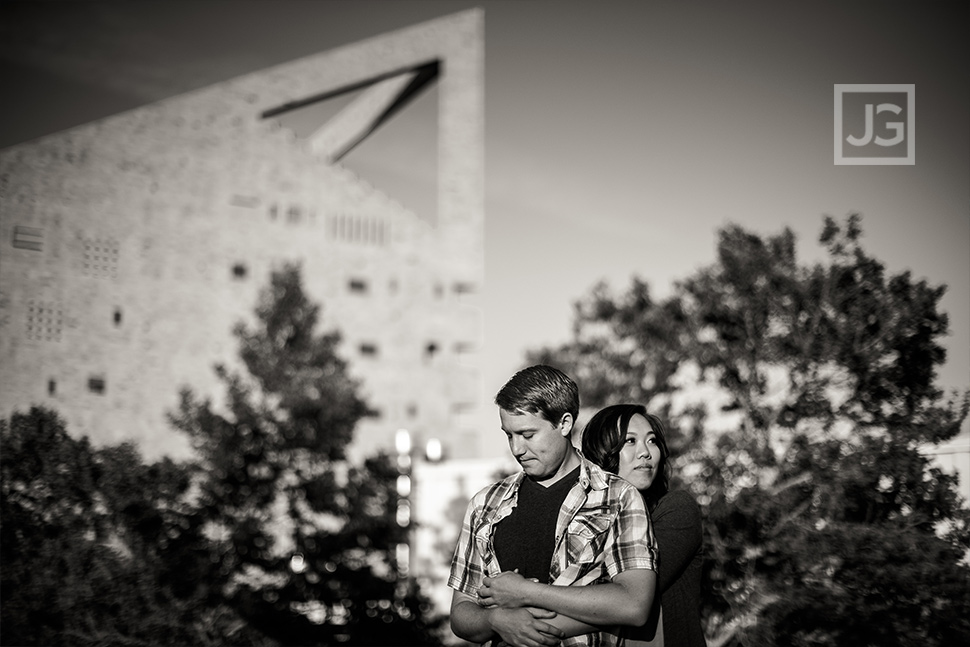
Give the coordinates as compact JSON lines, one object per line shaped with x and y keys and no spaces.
{"x":562,"y":521}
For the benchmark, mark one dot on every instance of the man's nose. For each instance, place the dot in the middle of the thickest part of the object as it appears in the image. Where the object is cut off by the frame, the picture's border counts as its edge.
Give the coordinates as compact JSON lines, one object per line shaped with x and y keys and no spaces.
{"x":518,"y":447}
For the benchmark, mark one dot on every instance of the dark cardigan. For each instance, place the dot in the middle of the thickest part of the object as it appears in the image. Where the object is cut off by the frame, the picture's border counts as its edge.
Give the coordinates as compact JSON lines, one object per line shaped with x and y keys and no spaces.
{"x":677,"y":526}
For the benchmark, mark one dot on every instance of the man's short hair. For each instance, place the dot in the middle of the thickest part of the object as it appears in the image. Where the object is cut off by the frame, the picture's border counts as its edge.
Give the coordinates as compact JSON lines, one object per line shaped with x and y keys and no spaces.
{"x":540,"y":390}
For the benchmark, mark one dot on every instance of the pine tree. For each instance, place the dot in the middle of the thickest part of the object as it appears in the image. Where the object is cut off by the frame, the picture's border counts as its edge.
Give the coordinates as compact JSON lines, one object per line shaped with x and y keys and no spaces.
{"x":305,"y":539}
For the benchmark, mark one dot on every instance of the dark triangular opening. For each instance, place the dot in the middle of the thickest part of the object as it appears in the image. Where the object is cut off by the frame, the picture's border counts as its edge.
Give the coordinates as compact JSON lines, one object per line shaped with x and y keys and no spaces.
{"x":398,"y":153}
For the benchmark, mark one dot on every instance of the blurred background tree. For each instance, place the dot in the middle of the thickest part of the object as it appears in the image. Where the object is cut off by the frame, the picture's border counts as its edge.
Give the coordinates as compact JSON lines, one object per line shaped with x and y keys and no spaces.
{"x":99,"y":548}
{"x":304,"y":541}
{"x":271,"y":537}
{"x":798,"y":398}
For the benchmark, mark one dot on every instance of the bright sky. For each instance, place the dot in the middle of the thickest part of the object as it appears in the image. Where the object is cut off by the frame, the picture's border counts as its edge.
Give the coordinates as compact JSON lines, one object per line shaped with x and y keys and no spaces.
{"x":619,"y":135}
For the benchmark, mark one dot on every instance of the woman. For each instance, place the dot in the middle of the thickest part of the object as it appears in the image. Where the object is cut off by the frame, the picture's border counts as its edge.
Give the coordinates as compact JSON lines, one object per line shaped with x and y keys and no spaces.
{"x":628,"y":441}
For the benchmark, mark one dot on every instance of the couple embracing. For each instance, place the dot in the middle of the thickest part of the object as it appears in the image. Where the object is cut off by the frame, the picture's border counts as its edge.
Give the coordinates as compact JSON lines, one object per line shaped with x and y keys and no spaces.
{"x":580,"y":548}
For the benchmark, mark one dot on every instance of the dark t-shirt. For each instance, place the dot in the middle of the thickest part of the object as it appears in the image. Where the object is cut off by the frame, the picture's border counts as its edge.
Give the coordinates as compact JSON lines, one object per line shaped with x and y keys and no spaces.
{"x":526,"y":539}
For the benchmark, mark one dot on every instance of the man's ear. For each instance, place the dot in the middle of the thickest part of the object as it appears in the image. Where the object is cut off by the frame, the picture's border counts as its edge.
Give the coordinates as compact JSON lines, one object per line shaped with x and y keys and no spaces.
{"x":566,"y":424}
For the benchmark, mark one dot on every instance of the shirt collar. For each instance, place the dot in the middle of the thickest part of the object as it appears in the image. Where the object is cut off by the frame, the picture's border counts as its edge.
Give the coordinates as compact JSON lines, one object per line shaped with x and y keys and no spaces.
{"x":591,"y":476}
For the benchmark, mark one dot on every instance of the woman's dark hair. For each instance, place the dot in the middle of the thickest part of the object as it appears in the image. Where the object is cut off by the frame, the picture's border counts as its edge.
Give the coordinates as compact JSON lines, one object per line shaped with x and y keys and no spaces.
{"x":605,"y":433}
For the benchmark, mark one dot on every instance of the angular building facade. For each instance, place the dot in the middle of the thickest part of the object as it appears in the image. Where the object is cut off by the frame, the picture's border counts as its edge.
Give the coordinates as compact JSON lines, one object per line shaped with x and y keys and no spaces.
{"x":131,"y":246}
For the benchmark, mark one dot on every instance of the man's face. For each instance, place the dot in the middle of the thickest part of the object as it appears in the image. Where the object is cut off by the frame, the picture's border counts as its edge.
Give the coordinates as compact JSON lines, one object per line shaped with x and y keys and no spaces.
{"x":538,"y":445}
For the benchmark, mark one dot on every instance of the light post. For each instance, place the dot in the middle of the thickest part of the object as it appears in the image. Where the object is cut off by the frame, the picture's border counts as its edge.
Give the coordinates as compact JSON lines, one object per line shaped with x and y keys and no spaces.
{"x":402,"y":443}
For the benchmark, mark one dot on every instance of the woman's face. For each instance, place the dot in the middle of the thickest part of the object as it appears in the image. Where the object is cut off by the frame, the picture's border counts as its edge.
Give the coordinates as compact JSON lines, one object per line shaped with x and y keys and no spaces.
{"x":640,"y":455}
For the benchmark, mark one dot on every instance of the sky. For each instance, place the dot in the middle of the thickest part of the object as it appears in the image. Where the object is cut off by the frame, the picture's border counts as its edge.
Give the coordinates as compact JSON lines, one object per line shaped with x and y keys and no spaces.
{"x":620,"y":136}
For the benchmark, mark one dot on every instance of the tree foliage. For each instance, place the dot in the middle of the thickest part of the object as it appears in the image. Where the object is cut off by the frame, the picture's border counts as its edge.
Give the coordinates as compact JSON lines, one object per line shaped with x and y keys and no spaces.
{"x":269,"y":537}
{"x":99,"y":548}
{"x":799,"y":396}
{"x":304,"y":539}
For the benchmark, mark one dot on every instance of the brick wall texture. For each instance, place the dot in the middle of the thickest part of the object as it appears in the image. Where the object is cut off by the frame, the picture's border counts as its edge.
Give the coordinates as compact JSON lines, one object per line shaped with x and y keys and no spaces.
{"x":129,"y":247}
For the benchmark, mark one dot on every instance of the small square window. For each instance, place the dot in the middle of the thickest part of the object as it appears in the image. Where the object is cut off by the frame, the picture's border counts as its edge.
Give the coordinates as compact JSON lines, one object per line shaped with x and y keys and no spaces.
{"x":357,"y":286}
{"x":96,"y":385}
{"x":31,"y":238}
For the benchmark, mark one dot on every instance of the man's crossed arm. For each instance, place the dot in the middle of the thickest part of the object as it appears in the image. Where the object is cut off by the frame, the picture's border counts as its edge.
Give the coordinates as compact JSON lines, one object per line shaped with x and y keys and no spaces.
{"x":528,"y":614}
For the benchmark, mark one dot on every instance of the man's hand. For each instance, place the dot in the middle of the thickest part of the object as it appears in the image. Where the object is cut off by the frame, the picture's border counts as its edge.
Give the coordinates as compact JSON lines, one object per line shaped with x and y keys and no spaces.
{"x":506,"y":590}
{"x":525,"y":627}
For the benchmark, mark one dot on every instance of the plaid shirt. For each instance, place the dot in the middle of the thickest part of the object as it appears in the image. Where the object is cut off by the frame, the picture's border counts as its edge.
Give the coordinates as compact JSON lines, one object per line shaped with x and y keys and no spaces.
{"x":602,"y":530}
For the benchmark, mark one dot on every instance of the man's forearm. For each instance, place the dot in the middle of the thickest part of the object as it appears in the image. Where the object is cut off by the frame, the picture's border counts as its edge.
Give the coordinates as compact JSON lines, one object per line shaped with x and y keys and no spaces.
{"x":573,"y":627}
{"x":622,"y":602}
{"x":603,"y":605}
{"x":515,"y":626}
{"x":470,"y":622}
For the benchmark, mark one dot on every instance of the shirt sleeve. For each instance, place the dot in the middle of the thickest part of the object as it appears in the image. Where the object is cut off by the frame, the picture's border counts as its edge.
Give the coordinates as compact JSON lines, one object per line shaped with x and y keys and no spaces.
{"x":633,"y":545}
{"x":677,"y":524}
{"x":467,"y":565}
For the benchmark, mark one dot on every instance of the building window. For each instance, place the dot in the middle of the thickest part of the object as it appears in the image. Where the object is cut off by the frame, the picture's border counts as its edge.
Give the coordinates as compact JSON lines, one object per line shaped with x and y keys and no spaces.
{"x":463,"y":288}
{"x":96,"y":385}
{"x":51,"y":387}
{"x":101,"y":257}
{"x":239,"y":271}
{"x":117,"y":316}
{"x":362,"y":230}
{"x":357,"y":286}
{"x":439,"y":291}
{"x":368,"y":350}
{"x":31,"y":238}
{"x":247,"y":201}
{"x":430,"y":349}
{"x":44,"y":321}
{"x":412,"y":410}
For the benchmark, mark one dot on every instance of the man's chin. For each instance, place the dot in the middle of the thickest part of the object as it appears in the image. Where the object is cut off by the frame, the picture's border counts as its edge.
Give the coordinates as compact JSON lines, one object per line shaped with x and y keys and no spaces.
{"x":531,"y":468}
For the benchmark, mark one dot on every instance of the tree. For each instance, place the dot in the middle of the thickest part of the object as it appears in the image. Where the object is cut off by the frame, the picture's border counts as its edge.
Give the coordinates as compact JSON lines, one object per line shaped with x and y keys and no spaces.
{"x":304,"y":539}
{"x":97,"y":547}
{"x":799,"y":397}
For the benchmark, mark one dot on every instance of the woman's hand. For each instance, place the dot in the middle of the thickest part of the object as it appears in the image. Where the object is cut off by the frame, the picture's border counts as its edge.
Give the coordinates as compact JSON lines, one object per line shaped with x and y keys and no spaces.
{"x":507,"y":590}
